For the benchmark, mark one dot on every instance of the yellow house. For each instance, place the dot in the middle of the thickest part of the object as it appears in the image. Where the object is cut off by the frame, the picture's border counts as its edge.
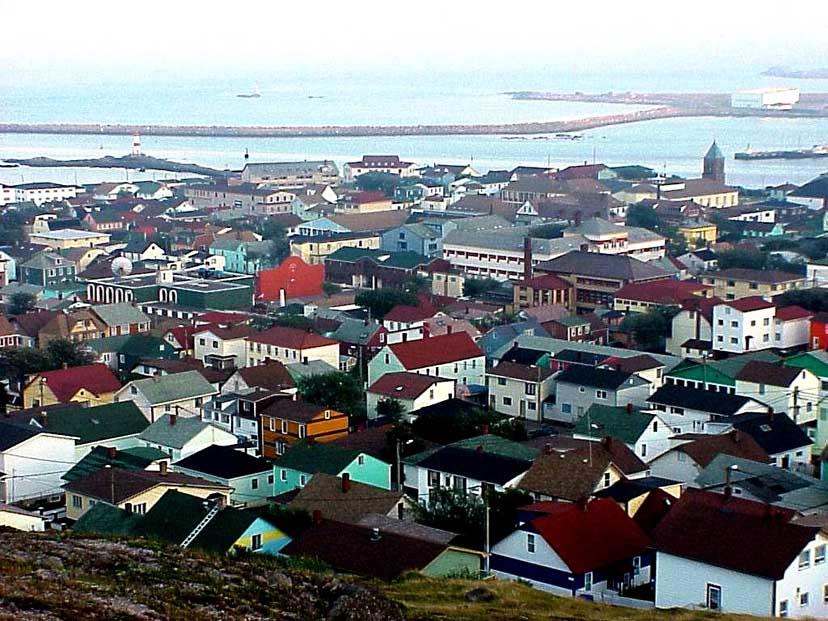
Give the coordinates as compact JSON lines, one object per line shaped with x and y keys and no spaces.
{"x":313,"y":250}
{"x":92,"y":384}
{"x":699,"y":230}
{"x":135,"y":491}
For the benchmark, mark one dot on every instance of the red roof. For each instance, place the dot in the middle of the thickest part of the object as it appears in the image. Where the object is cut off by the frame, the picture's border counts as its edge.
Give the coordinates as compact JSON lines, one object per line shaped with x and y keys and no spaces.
{"x":661,"y":291}
{"x":436,"y":350}
{"x":404,"y":385}
{"x":65,"y":383}
{"x":548,"y":281}
{"x":745,"y":305}
{"x":591,"y":536}
{"x":407,"y":314}
{"x":292,"y":338}
{"x":727,"y":532}
{"x":365,"y":197}
{"x":223,"y":318}
{"x":789,"y":313}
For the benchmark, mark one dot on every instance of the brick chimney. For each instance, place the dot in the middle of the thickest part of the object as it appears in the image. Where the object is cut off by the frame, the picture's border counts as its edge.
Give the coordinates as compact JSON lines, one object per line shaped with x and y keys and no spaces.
{"x":527,"y":257}
{"x":346,"y":482}
{"x":113,"y":452}
{"x":317,"y":516}
{"x":173,"y":419}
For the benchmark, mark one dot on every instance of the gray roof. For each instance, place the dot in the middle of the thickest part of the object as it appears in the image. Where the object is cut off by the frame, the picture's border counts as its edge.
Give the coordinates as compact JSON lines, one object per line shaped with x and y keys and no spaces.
{"x":164,"y":433}
{"x":480,"y":223}
{"x":174,"y":387}
{"x":597,"y":226}
{"x":714,"y":152}
{"x":293,"y":168}
{"x":46,"y":260}
{"x":354,"y":331}
{"x":603,"y":266}
{"x":512,"y":239}
{"x":408,"y":528}
{"x":309,"y":368}
{"x":120,"y":314}
{"x":553,"y":346}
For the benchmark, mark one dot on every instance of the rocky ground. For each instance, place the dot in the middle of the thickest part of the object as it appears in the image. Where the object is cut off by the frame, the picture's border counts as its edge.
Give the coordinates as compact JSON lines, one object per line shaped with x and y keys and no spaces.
{"x":48,"y":576}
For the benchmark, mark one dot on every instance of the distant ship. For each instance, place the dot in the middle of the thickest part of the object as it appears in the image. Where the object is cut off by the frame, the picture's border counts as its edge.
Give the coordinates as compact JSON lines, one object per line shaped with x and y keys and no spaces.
{"x":817,"y":151}
{"x":254,"y":94}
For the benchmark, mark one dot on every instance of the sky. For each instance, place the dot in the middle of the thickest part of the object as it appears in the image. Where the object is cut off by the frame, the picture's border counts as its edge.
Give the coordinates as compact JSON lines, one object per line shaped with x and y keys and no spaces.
{"x":96,"y":41}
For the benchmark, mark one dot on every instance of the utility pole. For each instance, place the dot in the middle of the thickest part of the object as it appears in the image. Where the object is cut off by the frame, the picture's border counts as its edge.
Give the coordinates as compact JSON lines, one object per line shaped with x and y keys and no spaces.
{"x":488,"y":529}
{"x":796,"y":403}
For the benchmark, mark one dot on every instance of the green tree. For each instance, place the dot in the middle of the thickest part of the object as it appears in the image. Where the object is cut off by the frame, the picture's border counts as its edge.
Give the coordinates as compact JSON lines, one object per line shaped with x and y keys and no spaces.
{"x":743,"y":258}
{"x":643,"y":216}
{"x":378,"y":182}
{"x":472,"y":287}
{"x":548,"y":231}
{"x":338,"y":391}
{"x":21,"y":303}
{"x":380,"y":301}
{"x":63,"y":352}
{"x":390,"y":408}
{"x":650,"y":329}
{"x":814,"y":300}
{"x":18,"y":362}
{"x":294,"y":321}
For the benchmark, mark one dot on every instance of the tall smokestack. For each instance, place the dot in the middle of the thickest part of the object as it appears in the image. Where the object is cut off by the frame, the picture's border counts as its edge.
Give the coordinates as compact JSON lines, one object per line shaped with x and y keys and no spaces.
{"x":527,"y":257}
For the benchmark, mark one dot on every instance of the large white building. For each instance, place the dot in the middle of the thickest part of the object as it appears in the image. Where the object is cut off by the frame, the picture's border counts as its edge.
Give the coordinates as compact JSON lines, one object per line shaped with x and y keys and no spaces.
{"x":743,"y":325}
{"x":766,"y":98}
{"x":38,"y":193}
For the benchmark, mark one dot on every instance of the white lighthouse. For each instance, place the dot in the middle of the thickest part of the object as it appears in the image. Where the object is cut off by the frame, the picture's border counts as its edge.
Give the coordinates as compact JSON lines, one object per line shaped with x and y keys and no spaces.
{"x":136,"y":144}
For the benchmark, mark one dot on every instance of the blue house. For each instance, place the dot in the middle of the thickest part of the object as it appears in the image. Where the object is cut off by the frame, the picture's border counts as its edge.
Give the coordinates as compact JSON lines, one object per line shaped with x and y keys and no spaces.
{"x":243,"y":257}
{"x":585,"y":549}
{"x":417,"y":237}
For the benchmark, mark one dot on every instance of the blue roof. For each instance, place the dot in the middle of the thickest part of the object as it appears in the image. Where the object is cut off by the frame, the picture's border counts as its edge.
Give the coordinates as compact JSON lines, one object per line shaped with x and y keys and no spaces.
{"x":714,"y":152}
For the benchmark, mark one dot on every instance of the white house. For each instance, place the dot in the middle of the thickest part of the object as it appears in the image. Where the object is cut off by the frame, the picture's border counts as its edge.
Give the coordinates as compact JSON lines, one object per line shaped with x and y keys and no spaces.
{"x":32,"y":462}
{"x":183,"y":394}
{"x":519,"y":390}
{"x":703,"y":562}
{"x":645,"y":433}
{"x":412,"y":390}
{"x":222,"y":348}
{"x":548,"y":552}
{"x":690,"y":410}
{"x":691,"y":329}
{"x":579,"y":386}
{"x":405,"y":323}
{"x":181,"y":437}
{"x":792,"y":327}
{"x":450,"y":356}
{"x":289,"y":345}
{"x":785,"y":389}
{"x":743,"y":325}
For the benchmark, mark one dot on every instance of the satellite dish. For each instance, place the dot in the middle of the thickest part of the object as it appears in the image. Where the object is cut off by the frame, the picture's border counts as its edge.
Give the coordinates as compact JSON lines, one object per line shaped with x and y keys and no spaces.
{"x":121,"y":267}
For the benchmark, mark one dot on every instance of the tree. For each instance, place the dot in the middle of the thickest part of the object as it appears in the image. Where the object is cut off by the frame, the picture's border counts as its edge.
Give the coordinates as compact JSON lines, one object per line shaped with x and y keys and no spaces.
{"x":743,"y":258}
{"x":338,"y":391}
{"x":650,"y":329}
{"x":548,"y":231}
{"x":299,"y":322}
{"x":814,"y":300}
{"x":643,"y":216}
{"x":62,"y":352}
{"x":390,"y":408}
{"x":18,"y":362}
{"x":472,"y":287}
{"x":378,"y":182}
{"x":330,"y":288}
{"x":21,"y":303}
{"x":380,"y":301}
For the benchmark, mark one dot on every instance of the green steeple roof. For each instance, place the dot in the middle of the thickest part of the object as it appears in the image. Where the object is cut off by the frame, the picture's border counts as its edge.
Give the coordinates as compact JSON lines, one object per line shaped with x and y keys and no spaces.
{"x":714,"y":152}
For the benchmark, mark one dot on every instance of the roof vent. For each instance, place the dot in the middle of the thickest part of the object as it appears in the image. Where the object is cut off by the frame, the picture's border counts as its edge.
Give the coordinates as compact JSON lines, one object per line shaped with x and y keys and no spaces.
{"x":375,"y":534}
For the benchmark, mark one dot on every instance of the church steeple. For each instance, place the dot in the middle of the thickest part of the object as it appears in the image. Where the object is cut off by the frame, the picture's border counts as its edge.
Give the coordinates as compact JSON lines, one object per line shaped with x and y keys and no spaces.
{"x":714,"y":164}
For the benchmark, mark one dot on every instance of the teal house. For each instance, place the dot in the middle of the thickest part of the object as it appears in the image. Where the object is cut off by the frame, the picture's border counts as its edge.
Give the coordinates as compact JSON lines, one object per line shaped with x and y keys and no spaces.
{"x":244,"y":257}
{"x":123,"y":353}
{"x":48,"y":270}
{"x":301,"y":461}
{"x":250,"y":478}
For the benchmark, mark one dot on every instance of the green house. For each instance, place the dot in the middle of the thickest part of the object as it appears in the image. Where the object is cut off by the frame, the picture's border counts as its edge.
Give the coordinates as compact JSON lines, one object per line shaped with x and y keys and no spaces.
{"x":244,"y":257}
{"x":301,"y":461}
{"x":123,"y":353}
{"x":48,"y":270}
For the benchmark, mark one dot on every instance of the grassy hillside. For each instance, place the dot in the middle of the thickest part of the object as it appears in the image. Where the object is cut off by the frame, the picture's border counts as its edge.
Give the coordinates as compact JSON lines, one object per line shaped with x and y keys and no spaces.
{"x":426,"y":599}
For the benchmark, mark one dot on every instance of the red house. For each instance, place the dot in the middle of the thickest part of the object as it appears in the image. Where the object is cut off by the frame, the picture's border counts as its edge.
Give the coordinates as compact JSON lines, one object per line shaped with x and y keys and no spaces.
{"x":819,"y":331}
{"x":292,"y":279}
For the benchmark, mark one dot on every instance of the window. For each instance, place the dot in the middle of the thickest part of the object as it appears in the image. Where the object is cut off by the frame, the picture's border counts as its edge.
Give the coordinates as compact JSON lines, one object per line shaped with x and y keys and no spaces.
{"x":133,"y":390}
{"x":256,"y":542}
{"x":530,"y":389}
{"x":303,"y":480}
{"x":284,"y":426}
{"x":460,"y":483}
{"x":501,"y":381}
{"x":566,"y":408}
{"x":607,"y":479}
{"x":581,"y":389}
{"x":734,"y":340}
{"x":766,"y":321}
{"x":600,"y":394}
{"x":803,"y":599}
{"x":254,"y":483}
{"x":714,"y":597}
{"x":783,"y":608}
{"x":361,"y":460}
{"x":805,"y":559}
{"x":433,"y":478}
{"x":643,"y":450}
{"x":327,"y":415}
{"x":201,"y":341}
{"x":77,"y":501}
{"x":655,"y":426}
{"x":819,"y":555}
{"x":588,"y":581}
{"x":301,"y":431}
{"x":270,"y":479}
{"x":825,"y":593}
{"x":734,"y":324}
{"x":140,"y":509}
{"x":283,"y":475}
{"x":530,"y":543}
{"x":507,"y":401}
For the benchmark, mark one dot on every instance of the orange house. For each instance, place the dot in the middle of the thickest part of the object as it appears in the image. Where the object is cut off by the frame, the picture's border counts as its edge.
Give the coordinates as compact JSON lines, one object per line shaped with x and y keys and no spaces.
{"x":292,"y":279}
{"x":286,"y":422}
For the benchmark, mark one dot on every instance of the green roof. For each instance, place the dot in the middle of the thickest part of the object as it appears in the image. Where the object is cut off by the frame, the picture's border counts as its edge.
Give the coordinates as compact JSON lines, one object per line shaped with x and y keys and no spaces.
{"x":714,"y":152}
{"x":814,"y":361}
{"x":224,"y":530}
{"x":120,"y":314}
{"x":163,"y":433}
{"x":107,"y":344}
{"x":404,"y":260}
{"x":104,"y":519}
{"x":97,"y":424}
{"x":317,"y":457}
{"x":174,"y":387}
{"x":571,"y":321}
{"x":721,"y":372}
{"x":616,"y":422}
{"x":128,"y":459}
{"x":490,"y":443}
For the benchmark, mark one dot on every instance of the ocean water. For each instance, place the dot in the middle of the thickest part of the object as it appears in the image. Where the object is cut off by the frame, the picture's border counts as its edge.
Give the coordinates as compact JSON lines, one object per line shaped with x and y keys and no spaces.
{"x":671,"y":145}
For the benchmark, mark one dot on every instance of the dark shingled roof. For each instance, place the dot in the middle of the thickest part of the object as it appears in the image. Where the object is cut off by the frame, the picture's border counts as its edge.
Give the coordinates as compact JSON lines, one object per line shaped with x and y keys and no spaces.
{"x":353,"y":549}
{"x":474,"y":464}
{"x":775,"y":433}
{"x":731,"y":532}
{"x":721,"y":403}
{"x":324,"y":493}
{"x":618,"y":267}
{"x":224,"y":462}
{"x":597,"y":378}
{"x":760,"y":372}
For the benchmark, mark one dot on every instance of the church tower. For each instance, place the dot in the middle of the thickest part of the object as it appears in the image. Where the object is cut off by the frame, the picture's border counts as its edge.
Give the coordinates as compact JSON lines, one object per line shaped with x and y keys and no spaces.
{"x":714,"y":164}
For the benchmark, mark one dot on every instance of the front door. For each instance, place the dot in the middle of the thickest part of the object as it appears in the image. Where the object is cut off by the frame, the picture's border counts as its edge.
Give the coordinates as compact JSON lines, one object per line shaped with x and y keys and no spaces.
{"x":714,"y":597}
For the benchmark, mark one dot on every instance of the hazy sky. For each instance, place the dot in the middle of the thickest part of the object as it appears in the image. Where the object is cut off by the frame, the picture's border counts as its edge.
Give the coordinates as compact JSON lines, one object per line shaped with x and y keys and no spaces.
{"x":110,"y":40}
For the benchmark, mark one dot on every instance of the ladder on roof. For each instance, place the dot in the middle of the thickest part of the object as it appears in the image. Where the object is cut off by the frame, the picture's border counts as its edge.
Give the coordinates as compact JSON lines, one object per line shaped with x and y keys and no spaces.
{"x":201,"y":526}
